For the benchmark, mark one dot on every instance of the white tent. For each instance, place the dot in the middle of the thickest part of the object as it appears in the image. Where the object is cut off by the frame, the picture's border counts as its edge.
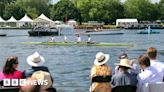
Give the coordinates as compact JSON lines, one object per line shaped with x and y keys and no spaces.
{"x":12,"y":19}
{"x":25,"y":19}
{"x":72,"y":22}
{"x":1,"y":19}
{"x":125,"y":22}
{"x":58,"y":22}
{"x":43,"y":17}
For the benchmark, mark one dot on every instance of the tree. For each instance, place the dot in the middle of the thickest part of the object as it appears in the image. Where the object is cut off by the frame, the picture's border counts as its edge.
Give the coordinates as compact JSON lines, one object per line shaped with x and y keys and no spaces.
{"x":161,"y":8}
{"x":15,"y":10}
{"x":140,"y":9}
{"x":35,"y":7}
{"x":65,"y":10}
{"x":100,"y":10}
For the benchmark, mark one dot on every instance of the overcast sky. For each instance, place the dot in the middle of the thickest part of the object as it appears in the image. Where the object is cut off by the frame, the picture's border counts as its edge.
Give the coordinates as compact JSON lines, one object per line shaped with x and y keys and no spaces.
{"x":54,"y":1}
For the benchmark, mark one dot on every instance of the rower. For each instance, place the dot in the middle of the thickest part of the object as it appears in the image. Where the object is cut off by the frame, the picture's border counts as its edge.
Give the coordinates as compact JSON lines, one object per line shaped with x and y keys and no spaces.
{"x":89,"y":40}
{"x":52,"y":39}
{"x":78,"y":38}
{"x":65,"y":39}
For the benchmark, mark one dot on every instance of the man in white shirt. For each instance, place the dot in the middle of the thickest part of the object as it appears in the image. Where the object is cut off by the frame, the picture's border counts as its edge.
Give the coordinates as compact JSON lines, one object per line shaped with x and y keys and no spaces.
{"x":148,"y":73}
{"x":78,"y":38}
{"x":152,"y":53}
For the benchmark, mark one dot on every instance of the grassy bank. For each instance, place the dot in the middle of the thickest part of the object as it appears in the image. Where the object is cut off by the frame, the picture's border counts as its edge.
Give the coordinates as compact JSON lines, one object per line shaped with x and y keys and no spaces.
{"x":97,"y":26}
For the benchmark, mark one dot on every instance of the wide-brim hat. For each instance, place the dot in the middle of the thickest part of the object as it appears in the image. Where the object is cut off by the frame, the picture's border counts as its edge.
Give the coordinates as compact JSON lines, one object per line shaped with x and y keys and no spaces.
{"x":101,"y":58}
{"x":45,"y":77}
{"x":125,"y":63}
{"x":35,"y":59}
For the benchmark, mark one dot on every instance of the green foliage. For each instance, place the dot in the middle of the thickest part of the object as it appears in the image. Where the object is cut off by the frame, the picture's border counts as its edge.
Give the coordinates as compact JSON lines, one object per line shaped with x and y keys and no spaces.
{"x":161,"y":8}
{"x":35,"y":7}
{"x":65,"y":10}
{"x":100,"y":10}
{"x":2,"y":7}
{"x":15,"y":10}
{"x":140,"y":9}
{"x":84,"y":10}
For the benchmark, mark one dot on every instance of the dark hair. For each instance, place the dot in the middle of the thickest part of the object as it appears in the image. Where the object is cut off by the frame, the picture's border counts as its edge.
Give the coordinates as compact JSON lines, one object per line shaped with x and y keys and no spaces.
{"x":152,"y":52}
{"x":8,"y":68}
{"x":122,"y":55}
{"x":123,"y":68}
{"x":144,"y":60}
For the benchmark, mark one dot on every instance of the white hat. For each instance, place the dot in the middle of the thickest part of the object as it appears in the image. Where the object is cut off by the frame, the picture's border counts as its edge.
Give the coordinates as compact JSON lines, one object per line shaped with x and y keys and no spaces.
{"x":101,"y":58}
{"x":125,"y":62}
{"x":43,"y":76}
{"x":35,"y":59}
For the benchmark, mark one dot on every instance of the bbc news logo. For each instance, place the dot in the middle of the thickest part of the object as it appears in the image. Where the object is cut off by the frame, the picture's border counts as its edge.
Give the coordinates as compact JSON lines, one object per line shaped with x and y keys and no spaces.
{"x":23,"y":82}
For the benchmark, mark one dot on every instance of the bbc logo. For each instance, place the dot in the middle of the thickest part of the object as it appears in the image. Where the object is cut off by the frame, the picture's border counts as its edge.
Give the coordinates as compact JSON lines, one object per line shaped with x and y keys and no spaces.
{"x":14,"y":82}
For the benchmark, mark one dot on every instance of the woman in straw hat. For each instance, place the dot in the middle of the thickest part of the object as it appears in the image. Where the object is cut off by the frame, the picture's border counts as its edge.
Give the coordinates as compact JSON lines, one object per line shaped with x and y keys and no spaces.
{"x":36,"y":62}
{"x":100,"y":74}
{"x":10,"y":69}
{"x":123,"y":77}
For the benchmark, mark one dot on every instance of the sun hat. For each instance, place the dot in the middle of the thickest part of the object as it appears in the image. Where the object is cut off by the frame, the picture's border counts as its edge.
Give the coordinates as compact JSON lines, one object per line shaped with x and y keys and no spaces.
{"x":101,"y":58}
{"x":45,"y":77}
{"x":122,"y":55}
{"x":125,"y":62}
{"x":35,"y":59}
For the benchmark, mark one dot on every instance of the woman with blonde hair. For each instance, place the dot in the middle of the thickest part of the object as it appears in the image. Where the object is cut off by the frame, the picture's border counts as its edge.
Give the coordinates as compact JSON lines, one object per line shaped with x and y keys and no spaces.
{"x":101,"y":74}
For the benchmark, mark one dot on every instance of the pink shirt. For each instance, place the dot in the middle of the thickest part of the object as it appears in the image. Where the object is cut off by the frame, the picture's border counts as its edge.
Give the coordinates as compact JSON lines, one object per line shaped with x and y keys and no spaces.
{"x":16,"y":75}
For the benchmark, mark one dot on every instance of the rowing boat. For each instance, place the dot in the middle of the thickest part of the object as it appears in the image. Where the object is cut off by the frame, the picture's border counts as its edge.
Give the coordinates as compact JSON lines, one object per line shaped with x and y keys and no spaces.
{"x":78,"y":44}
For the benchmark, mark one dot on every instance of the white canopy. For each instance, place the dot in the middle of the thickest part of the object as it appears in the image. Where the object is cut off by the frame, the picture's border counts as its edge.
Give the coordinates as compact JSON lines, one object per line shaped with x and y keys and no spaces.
{"x":72,"y":22}
{"x":25,"y":19}
{"x":126,"y":21}
{"x":43,"y":18}
{"x":1,"y":20}
{"x":58,"y":22}
{"x":12,"y":19}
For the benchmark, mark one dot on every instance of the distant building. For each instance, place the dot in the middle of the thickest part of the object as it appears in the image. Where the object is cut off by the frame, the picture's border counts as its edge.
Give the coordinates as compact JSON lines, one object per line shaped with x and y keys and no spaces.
{"x":123,"y":23}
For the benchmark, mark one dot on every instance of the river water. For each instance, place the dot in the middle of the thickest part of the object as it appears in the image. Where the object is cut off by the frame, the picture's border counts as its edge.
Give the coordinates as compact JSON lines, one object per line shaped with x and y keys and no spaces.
{"x":70,"y":65}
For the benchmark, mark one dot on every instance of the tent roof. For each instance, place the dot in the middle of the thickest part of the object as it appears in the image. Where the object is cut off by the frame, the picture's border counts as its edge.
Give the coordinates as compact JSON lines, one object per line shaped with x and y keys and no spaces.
{"x":42,"y":16}
{"x":25,"y":19}
{"x":12,"y":19}
{"x":1,"y":19}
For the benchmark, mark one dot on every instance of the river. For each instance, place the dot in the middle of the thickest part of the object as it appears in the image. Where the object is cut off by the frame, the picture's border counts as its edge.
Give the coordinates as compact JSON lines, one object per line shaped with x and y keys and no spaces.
{"x":70,"y":65}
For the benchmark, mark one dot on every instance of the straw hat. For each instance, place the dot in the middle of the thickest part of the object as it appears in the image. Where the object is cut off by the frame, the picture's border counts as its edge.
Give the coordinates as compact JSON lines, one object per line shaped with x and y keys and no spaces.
{"x":35,"y":59}
{"x":101,"y":58}
{"x":45,"y":76}
{"x":125,"y":62}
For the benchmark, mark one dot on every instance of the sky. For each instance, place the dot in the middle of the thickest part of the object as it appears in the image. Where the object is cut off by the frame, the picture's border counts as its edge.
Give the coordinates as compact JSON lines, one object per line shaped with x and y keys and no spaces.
{"x":54,"y":1}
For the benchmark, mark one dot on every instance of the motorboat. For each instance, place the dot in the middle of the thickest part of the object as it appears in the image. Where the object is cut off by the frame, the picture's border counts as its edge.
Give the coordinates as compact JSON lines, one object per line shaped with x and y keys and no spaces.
{"x":148,"y":31}
{"x":42,"y":31}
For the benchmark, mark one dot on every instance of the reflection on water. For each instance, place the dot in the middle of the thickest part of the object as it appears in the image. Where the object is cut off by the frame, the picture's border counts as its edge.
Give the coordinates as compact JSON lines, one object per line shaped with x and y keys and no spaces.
{"x":70,"y":65}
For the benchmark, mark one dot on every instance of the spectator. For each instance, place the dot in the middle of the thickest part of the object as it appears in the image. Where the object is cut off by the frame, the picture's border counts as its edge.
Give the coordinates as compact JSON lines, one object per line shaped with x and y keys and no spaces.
{"x":101,"y":74}
{"x":122,"y":55}
{"x":123,"y":77}
{"x":30,"y":87}
{"x":148,"y":74}
{"x":45,"y":77}
{"x":36,"y":62}
{"x":135,"y":68}
{"x":152,"y":53}
{"x":10,"y":69}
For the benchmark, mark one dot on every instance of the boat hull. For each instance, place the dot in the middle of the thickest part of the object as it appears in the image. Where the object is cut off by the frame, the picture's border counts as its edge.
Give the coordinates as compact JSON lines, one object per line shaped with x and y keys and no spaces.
{"x":3,"y":35}
{"x":78,"y":44}
{"x":42,"y":33}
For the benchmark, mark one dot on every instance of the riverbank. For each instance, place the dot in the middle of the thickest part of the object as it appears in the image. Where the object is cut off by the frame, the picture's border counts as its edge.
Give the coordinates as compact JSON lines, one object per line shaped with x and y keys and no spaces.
{"x":96,"y":26}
